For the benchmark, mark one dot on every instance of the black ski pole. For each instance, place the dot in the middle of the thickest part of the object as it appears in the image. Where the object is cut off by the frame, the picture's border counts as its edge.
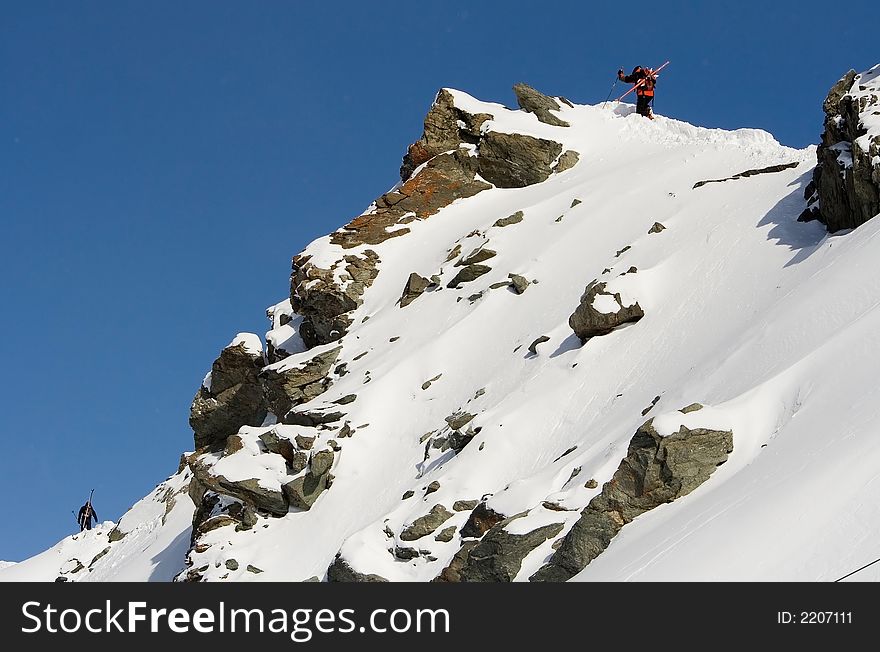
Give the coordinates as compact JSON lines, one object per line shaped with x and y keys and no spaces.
{"x":609,"y":93}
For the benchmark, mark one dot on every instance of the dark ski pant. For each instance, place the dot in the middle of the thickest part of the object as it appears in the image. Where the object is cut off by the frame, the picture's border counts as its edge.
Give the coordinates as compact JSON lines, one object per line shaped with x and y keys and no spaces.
{"x":643,"y":105}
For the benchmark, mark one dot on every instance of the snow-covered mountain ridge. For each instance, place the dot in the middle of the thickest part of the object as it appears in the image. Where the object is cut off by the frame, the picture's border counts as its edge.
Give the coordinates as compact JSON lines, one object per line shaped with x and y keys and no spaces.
{"x":569,"y":343}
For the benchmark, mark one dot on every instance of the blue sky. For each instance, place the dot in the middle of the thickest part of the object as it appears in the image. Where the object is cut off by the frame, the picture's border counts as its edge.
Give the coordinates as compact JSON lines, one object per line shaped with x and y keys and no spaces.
{"x":161,"y":162}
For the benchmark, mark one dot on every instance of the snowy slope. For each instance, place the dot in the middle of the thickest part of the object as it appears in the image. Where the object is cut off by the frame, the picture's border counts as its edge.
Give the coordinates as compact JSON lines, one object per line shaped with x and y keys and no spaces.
{"x":771,"y":324}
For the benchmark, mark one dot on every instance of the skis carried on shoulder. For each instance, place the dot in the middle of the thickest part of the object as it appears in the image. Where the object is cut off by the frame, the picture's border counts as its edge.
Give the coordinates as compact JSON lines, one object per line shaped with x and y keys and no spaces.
{"x":654,"y":73}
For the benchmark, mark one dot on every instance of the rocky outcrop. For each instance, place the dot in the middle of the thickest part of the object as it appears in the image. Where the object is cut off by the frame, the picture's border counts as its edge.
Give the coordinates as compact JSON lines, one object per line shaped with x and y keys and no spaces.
{"x":536,"y":102}
{"x":498,"y":556}
{"x":515,"y":160}
{"x":232,"y":398}
{"x":468,"y":274}
{"x":656,"y":470}
{"x":325,"y":297}
{"x":480,"y":521}
{"x":589,"y":321}
{"x":249,"y":491}
{"x":750,"y":173}
{"x":510,"y":219}
{"x":288,"y":386}
{"x":341,"y":571}
{"x":845,"y":190}
{"x":303,"y":491}
{"x":427,"y":524}
{"x":477,"y":256}
{"x":446,"y":128}
{"x":415,"y":286}
{"x":567,"y":160}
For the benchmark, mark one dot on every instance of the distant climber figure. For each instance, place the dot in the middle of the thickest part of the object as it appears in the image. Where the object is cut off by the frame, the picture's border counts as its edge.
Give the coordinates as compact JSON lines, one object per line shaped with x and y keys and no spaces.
{"x":86,"y":514}
{"x":646,"y":81}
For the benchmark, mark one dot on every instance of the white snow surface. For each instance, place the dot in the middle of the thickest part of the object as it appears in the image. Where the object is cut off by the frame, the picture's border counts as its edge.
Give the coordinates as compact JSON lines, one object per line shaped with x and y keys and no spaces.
{"x":771,"y":324}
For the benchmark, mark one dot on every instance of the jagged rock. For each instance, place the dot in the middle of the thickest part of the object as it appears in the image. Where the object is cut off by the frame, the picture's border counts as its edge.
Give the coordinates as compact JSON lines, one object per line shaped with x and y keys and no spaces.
{"x":235,"y":398}
{"x":575,"y":202}
{"x":311,"y":419}
{"x":253,"y":569}
{"x":459,"y":420}
{"x":693,"y":407}
{"x":498,"y":556}
{"x":116,"y":535}
{"x":425,"y":525}
{"x":591,"y":484}
{"x":234,"y":443}
{"x":249,"y":491}
{"x":415,"y":286}
{"x":325,"y":297}
{"x":286,"y":388}
{"x":231,"y":564}
{"x":510,"y":219}
{"x":468,"y":274}
{"x":216,"y":522}
{"x":464,"y":505}
{"x":345,"y":400}
{"x":431,"y":488}
{"x":656,"y":470}
{"x":408,"y":494}
{"x":321,"y":462}
{"x":302,"y":492}
{"x":99,"y":556}
{"x":405,"y":552}
{"x":452,"y":572}
{"x":515,"y":160}
{"x":650,"y":407}
{"x":446,"y":128}
{"x":533,"y":347}
{"x":341,"y":571}
{"x":656,"y":228}
{"x":845,"y":190}
{"x":454,"y":253}
{"x":481,"y":520}
{"x":476,"y":256}
{"x":586,"y":321}
{"x":279,"y":445}
{"x":749,"y":173}
{"x":567,"y":160}
{"x":446,"y":534}
{"x":427,"y":383}
{"x":520,"y":283}
{"x":303,"y":442}
{"x":536,"y":102}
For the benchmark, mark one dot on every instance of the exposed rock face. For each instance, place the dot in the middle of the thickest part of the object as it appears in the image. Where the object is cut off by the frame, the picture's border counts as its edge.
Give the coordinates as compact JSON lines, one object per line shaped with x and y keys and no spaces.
{"x":656,"y":470}
{"x":586,"y":321}
{"x":498,"y":557}
{"x":235,"y":397}
{"x":519,"y":283}
{"x":286,"y":388}
{"x":656,"y":228}
{"x":341,"y":571}
{"x":452,"y":573}
{"x":476,"y":256}
{"x":845,"y":191}
{"x":325,"y":299}
{"x":536,"y":102}
{"x":468,"y":274}
{"x":415,"y":286}
{"x":567,"y":161}
{"x":516,"y":160}
{"x":510,"y":219}
{"x":443,"y":132}
{"x":303,"y":491}
{"x":427,"y":524}
{"x":249,"y":491}
{"x":481,"y":520}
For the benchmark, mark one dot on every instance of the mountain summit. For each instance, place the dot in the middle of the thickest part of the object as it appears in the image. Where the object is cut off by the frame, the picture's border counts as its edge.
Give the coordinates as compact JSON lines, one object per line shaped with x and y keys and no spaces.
{"x":569,"y":343}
